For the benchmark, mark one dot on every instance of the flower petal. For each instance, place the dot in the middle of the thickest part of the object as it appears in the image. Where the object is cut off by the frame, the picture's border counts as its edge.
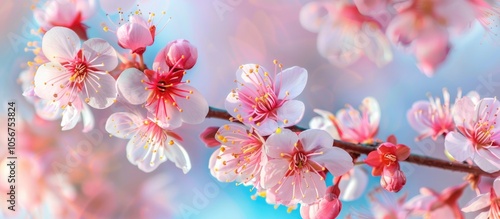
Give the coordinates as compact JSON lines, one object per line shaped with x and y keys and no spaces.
{"x":290,"y":113}
{"x":373,"y":159}
{"x":291,"y":82}
{"x":477,"y":203}
{"x":105,"y":91}
{"x":70,"y":117}
{"x":177,"y":154}
{"x":336,"y":160}
{"x":123,"y":124}
{"x":131,"y":86}
{"x":51,"y":80}
{"x":313,"y":139}
{"x":353,"y":187}
{"x":463,"y":112}
{"x":195,"y":108}
{"x":313,"y":186}
{"x":458,"y":146}
{"x":88,"y":119}
{"x":402,"y":152}
{"x":100,"y":54}
{"x":279,"y":143}
{"x":60,"y":44}
{"x":273,"y":172}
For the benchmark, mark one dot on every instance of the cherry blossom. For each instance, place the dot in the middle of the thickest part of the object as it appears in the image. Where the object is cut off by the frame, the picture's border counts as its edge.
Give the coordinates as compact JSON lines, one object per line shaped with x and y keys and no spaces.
{"x":477,"y":134}
{"x":240,"y":158}
{"x":65,"y":13}
{"x":385,"y":163}
{"x":264,"y":101}
{"x":76,"y":74}
{"x":432,"y":204}
{"x":149,"y":144}
{"x":136,"y":34}
{"x":488,"y":203}
{"x":351,"y":125}
{"x":384,"y":205}
{"x":179,"y":54}
{"x":328,"y":207}
{"x":344,"y":34}
{"x":295,"y":169}
{"x":166,"y":96}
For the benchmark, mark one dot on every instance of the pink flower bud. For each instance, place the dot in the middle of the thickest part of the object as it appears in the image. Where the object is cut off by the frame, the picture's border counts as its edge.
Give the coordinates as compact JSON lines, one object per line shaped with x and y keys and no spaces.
{"x":393,"y":179}
{"x":136,"y":34}
{"x":181,"y":54}
{"x":326,"y":208}
{"x":208,"y":136}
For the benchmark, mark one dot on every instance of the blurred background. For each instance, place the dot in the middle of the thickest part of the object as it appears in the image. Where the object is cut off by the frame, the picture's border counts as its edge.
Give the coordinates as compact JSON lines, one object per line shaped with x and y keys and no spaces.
{"x":93,"y":173}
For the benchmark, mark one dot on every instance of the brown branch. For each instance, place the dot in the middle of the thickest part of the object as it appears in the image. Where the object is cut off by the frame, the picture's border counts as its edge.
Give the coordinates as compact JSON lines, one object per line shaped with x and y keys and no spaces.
{"x":366,"y":149}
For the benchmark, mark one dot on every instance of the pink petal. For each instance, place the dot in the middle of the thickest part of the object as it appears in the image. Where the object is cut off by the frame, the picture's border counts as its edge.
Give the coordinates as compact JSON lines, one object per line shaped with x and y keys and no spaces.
{"x":48,"y":110}
{"x":232,"y":104}
{"x":267,"y":127}
{"x":313,"y":186}
{"x":420,"y":203}
{"x":483,"y":215}
{"x":49,"y":79}
{"x":353,"y":187}
{"x":291,"y":112}
{"x":208,"y":136}
{"x":313,"y":140}
{"x":458,"y":146}
{"x":399,"y":32}
{"x":88,"y":119}
{"x":168,"y":116}
{"x":131,"y":85}
{"x":160,"y":62}
{"x":195,"y":108}
{"x":243,"y":75}
{"x":463,"y":112}
{"x":477,"y":203}
{"x":312,"y":16}
{"x":177,"y":154}
{"x":496,"y":186}
{"x":490,"y":107}
{"x":483,"y":160}
{"x":100,"y":54}
{"x":371,"y":107}
{"x":402,"y":152}
{"x":336,"y":160}
{"x":291,"y":82}
{"x":338,"y":44}
{"x":417,"y":114}
{"x":134,"y":36}
{"x":105,"y":93}
{"x":123,"y":124}
{"x":281,"y":143}
{"x":60,"y":44}
{"x":273,"y":172}
{"x":431,"y":49}
{"x":373,"y":159}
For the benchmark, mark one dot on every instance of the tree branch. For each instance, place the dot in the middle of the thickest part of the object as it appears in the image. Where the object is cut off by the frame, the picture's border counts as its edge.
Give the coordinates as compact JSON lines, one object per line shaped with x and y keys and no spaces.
{"x":366,"y":149}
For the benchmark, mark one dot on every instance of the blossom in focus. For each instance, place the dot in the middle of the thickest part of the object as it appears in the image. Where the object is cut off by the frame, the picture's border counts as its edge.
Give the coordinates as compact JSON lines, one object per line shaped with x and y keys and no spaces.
{"x":328,"y":207}
{"x":294,"y":172}
{"x":478,"y":133}
{"x":180,"y":54}
{"x":149,"y":144}
{"x":432,"y":204}
{"x":265,"y":101}
{"x":425,"y":27}
{"x":65,"y":13}
{"x":344,"y":34}
{"x":488,"y":203}
{"x":169,"y":99}
{"x":136,"y":34}
{"x":351,"y":125}
{"x":385,"y":163}
{"x":76,"y":73}
{"x":240,"y":157}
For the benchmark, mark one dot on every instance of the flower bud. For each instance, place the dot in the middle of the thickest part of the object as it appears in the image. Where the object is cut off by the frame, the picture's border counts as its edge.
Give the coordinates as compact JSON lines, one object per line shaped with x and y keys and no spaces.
{"x":393,"y":179}
{"x":181,"y":54}
{"x":327,"y":207}
{"x":136,"y":35}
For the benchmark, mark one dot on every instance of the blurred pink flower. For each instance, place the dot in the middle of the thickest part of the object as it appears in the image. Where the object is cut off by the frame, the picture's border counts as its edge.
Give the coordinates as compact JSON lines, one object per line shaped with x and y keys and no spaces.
{"x":344,"y":34}
{"x":149,"y":145}
{"x":294,"y":172}
{"x":432,"y":204}
{"x":385,"y":162}
{"x":136,"y":34}
{"x":267,"y":102}
{"x":208,"y":136}
{"x":488,"y":203}
{"x":240,"y":158}
{"x":487,"y":13}
{"x":179,"y":54}
{"x":170,"y":100}
{"x":353,"y":184}
{"x":76,"y":72}
{"x":478,"y":134}
{"x":328,"y":207}
{"x":349,"y":124}
{"x":385,"y":205}
{"x":65,"y":13}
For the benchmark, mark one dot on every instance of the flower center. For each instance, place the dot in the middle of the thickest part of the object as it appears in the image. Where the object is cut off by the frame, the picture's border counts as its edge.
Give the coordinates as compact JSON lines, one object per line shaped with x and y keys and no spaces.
{"x":482,"y":135}
{"x":299,"y":160}
{"x":265,"y":106}
{"x":389,"y":159}
{"x":80,"y":71}
{"x":162,"y":86}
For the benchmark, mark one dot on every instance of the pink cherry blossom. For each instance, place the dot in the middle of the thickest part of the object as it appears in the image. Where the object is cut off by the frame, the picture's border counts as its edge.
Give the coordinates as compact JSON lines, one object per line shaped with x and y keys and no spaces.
{"x":488,"y":203}
{"x":76,"y":74}
{"x":179,"y":54}
{"x":240,"y":158}
{"x":487,"y":12}
{"x":385,"y":205}
{"x":170,"y":100}
{"x":350,"y":124}
{"x":264,"y":101}
{"x":344,"y":34}
{"x":328,"y":207}
{"x":136,"y":34}
{"x":149,"y":145}
{"x":295,"y":169}
{"x":385,"y":162}
{"x":432,"y":204}
{"x":478,"y":133}
{"x":65,"y":13}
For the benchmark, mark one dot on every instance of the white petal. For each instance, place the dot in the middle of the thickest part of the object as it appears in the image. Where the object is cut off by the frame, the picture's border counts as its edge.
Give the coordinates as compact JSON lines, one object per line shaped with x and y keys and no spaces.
{"x":195,"y":108}
{"x":336,"y":160}
{"x":291,"y":82}
{"x":480,"y":158}
{"x":477,"y":203}
{"x":51,"y":80}
{"x":273,"y":172}
{"x":177,"y":154}
{"x":123,"y":124}
{"x":100,"y":54}
{"x":70,"y":118}
{"x":281,"y":143}
{"x":314,"y":139}
{"x":458,"y":146}
{"x":60,"y":44}
{"x":88,"y":119}
{"x":102,"y":92}
{"x":354,"y":187}
{"x":291,"y":111}
{"x":131,"y":85}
